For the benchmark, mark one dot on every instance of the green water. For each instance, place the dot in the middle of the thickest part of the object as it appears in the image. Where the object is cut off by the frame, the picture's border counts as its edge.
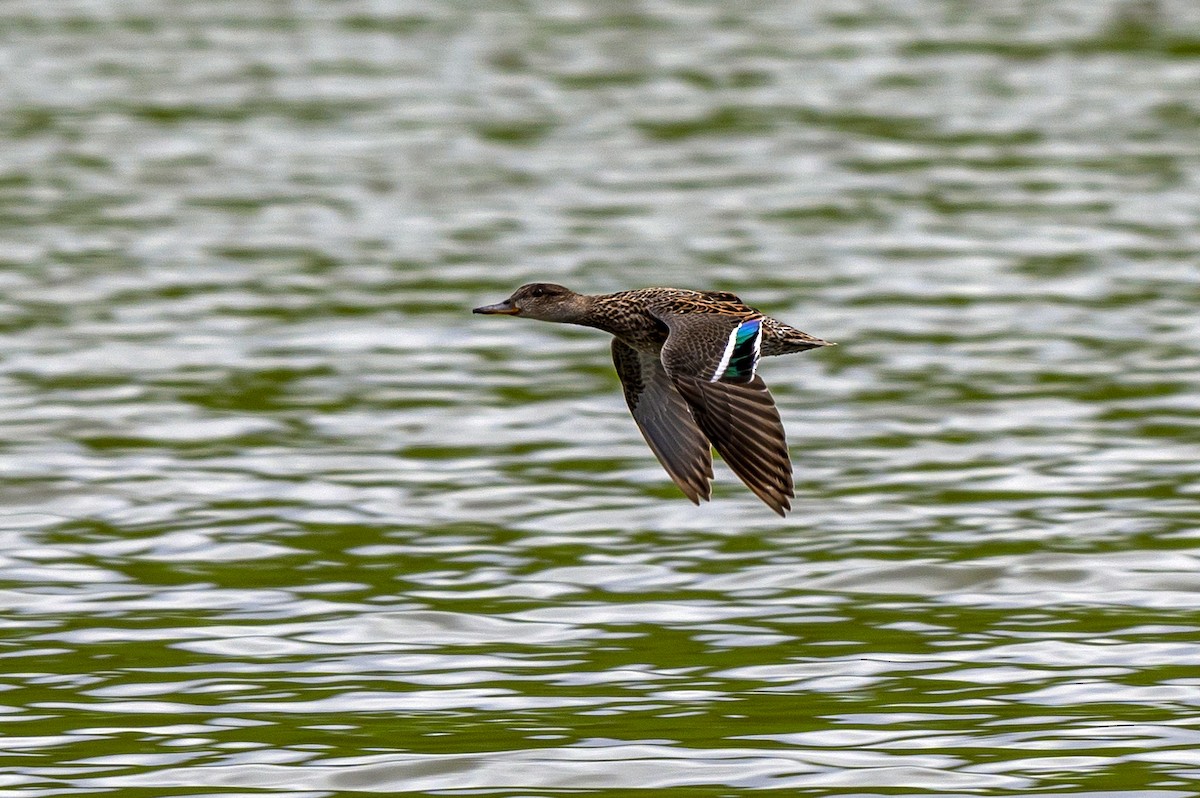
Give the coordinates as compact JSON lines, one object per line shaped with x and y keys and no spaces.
{"x":279,"y":516}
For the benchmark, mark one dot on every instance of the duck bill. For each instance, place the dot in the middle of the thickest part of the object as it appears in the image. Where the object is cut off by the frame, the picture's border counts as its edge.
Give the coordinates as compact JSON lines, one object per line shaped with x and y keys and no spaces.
{"x":504,"y":308}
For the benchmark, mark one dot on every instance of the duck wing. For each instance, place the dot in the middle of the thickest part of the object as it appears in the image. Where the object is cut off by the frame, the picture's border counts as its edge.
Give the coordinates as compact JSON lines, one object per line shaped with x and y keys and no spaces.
{"x":665,"y":421}
{"x":711,"y":360}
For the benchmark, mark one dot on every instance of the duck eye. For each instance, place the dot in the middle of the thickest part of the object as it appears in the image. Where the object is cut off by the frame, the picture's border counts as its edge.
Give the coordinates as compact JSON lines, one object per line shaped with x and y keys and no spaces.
{"x":539,"y":291}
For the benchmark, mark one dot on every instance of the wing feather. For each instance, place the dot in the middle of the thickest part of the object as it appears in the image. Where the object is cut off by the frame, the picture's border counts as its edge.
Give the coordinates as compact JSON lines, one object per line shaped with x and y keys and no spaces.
{"x":665,"y":421}
{"x":732,"y":407}
{"x":744,"y":426}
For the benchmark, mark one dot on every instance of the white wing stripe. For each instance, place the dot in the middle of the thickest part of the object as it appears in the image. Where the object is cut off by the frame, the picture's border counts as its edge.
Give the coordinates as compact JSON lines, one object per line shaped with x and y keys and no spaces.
{"x":724,"y":364}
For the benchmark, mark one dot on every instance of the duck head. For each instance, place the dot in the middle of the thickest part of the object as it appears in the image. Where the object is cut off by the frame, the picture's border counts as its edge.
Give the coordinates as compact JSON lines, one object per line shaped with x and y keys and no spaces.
{"x":541,"y":301}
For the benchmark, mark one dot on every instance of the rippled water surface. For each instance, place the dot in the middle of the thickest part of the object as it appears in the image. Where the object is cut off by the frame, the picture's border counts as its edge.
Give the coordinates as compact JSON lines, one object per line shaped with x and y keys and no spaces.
{"x":279,"y":516}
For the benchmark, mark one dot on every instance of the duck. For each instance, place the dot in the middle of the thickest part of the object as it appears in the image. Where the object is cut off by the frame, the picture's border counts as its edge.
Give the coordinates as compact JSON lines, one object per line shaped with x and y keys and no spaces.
{"x":688,"y":364}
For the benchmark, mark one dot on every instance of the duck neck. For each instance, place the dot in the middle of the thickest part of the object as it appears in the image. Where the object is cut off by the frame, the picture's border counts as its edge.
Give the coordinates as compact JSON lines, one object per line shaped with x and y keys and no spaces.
{"x":585,"y":311}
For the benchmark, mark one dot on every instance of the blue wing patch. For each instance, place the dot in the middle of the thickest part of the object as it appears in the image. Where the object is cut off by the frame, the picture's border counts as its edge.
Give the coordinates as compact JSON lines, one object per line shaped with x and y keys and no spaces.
{"x":741,"y":353}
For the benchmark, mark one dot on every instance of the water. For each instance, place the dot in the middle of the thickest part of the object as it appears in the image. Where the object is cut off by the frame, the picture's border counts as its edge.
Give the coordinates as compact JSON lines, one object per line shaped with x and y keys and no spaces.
{"x":280,"y":517}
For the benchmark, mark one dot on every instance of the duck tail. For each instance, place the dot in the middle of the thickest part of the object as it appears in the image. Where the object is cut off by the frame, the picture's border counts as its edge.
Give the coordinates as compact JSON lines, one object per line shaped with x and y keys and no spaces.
{"x":782,"y":339}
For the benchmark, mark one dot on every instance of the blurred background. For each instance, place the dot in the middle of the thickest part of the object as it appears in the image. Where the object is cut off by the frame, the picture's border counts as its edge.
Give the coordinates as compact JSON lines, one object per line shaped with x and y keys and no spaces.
{"x":279,"y":516}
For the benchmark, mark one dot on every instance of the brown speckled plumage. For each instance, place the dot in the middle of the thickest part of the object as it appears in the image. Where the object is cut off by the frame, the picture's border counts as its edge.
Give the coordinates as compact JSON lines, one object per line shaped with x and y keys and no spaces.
{"x":687,"y":361}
